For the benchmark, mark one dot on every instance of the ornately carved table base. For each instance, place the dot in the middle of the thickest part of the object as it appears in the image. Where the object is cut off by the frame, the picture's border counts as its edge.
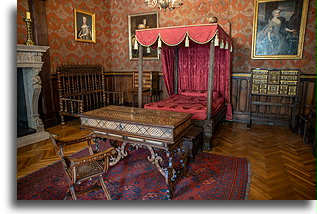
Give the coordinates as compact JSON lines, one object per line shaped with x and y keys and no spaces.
{"x":171,"y":173}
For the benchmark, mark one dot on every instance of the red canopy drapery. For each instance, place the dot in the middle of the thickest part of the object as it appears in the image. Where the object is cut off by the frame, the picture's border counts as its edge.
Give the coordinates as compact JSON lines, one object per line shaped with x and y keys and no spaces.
{"x":173,"y":36}
{"x":201,"y":34}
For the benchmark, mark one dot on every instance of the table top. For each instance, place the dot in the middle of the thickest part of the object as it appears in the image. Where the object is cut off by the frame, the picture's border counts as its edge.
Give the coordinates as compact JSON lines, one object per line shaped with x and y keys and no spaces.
{"x":139,"y":116}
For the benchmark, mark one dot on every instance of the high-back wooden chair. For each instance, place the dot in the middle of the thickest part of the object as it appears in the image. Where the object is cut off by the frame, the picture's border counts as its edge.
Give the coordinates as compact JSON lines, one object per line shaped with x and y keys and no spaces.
{"x":77,"y":170}
{"x":82,"y":88}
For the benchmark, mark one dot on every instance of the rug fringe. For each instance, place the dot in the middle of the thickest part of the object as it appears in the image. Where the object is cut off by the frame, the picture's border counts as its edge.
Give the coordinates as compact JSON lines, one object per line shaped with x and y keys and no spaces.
{"x":246,"y":197}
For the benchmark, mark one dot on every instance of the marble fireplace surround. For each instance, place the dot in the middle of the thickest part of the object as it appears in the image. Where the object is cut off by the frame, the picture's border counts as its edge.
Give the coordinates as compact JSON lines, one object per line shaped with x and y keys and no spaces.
{"x":29,"y":59}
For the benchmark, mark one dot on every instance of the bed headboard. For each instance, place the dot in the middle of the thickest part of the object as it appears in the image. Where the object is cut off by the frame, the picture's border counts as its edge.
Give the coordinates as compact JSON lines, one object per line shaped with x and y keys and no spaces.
{"x":224,"y":23}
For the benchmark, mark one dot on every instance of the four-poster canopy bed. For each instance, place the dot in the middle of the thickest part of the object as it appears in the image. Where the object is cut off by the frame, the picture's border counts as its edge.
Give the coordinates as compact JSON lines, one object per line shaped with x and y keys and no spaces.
{"x":196,"y":65}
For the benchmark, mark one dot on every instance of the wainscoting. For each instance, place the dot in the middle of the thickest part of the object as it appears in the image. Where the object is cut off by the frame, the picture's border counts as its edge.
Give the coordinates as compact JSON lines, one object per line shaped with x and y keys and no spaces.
{"x":240,"y":82}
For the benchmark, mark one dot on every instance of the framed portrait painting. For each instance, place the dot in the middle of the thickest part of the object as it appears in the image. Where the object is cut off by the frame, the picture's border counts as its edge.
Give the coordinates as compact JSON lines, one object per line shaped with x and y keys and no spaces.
{"x":85,"y":27}
{"x":279,"y":29}
{"x":143,"y":20}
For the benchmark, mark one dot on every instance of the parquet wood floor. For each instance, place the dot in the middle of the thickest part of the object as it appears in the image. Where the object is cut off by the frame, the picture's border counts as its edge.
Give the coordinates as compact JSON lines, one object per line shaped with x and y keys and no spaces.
{"x":282,"y":167}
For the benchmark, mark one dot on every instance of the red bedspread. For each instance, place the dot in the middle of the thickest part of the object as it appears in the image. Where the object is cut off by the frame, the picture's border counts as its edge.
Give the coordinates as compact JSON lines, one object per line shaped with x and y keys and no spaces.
{"x":196,"y":105}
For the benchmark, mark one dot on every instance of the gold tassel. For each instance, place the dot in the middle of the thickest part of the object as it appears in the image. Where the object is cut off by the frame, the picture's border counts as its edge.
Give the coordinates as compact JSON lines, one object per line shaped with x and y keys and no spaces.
{"x":216,"y":40}
{"x":159,"y":43}
{"x":187,"y":41}
{"x":227,"y":45}
{"x":231,"y":48}
{"x":148,"y":50}
{"x":136,"y":46}
{"x":222,"y":45}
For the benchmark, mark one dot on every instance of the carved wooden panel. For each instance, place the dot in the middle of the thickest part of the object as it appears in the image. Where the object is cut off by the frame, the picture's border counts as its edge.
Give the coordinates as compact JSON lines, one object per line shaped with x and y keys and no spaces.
{"x":275,"y":82}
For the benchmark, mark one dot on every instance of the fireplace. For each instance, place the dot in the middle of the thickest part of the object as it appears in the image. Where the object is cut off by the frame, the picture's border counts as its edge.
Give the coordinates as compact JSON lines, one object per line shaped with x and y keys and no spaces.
{"x":22,"y":119}
{"x":29,"y":64}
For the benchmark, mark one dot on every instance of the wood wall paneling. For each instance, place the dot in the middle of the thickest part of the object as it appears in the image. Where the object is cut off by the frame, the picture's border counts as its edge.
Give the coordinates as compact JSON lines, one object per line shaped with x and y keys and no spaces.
{"x":240,"y":97}
{"x":240,"y":82}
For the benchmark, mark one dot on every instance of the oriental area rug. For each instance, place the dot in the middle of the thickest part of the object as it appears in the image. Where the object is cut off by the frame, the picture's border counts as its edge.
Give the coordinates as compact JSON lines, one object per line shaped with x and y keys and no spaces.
{"x":210,"y":177}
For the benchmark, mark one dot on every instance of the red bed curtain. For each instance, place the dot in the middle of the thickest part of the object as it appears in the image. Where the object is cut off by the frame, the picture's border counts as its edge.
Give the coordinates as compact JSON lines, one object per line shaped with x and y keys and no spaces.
{"x":167,"y":56}
{"x":193,"y":70}
{"x":193,"y":67}
{"x":193,"y":60}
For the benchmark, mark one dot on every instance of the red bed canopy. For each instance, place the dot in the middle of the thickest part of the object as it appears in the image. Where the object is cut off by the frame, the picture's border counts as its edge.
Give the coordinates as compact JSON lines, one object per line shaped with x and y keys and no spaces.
{"x":189,"y":50}
{"x":173,"y":36}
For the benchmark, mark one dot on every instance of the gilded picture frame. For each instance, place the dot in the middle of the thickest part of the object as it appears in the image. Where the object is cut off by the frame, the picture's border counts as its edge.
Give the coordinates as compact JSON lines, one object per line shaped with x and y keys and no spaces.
{"x":279,"y":29}
{"x":148,"y":20}
{"x":85,"y":26}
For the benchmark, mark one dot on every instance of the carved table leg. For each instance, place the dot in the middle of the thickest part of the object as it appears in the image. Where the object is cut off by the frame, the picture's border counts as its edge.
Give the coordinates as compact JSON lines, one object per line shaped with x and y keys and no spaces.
{"x":121,"y":153}
{"x":156,"y":159}
{"x":170,"y":176}
{"x":173,"y":173}
{"x":184,"y":159}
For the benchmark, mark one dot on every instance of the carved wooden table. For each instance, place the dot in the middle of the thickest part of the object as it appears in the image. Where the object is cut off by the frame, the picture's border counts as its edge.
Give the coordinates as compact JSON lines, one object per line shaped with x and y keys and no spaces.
{"x":153,"y":129}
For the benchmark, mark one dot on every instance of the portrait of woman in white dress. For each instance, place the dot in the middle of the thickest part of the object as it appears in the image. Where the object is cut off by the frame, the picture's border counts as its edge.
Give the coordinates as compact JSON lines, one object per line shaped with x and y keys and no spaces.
{"x":84,"y":32}
{"x":84,"y":26}
{"x":272,"y":38}
{"x":279,"y":29}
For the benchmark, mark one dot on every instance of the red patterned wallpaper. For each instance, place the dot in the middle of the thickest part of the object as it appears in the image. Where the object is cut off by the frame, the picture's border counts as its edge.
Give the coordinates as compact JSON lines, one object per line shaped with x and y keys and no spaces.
{"x":111,"y":48}
{"x":64,"y":48}
{"x":238,"y":12}
{"x":60,"y":21}
{"x":22,"y":7}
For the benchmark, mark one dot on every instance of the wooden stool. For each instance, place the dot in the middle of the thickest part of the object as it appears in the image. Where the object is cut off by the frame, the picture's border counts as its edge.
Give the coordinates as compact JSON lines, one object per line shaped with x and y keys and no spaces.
{"x":193,"y":142}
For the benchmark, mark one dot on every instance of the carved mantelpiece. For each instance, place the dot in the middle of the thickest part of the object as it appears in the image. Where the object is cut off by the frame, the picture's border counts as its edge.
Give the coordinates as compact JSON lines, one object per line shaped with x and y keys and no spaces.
{"x":29,"y":58}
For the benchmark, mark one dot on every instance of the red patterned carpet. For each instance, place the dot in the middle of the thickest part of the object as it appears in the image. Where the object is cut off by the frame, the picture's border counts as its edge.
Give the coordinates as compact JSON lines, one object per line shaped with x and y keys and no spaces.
{"x":210,"y":177}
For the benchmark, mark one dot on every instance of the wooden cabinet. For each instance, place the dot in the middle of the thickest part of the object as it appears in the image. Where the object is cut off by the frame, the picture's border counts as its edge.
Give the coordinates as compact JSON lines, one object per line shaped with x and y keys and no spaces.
{"x":273,"y":96}
{"x":151,"y":91}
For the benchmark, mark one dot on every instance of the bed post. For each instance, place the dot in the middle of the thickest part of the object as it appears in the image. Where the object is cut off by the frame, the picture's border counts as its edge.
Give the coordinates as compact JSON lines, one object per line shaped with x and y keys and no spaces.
{"x":208,"y":123}
{"x":140,"y":77}
{"x":176,"y":71}
{"x":210,"y":79}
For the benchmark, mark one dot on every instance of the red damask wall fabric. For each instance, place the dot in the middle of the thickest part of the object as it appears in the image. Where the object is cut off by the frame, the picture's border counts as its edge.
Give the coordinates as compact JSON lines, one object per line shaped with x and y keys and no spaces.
{"x":111,"y":48}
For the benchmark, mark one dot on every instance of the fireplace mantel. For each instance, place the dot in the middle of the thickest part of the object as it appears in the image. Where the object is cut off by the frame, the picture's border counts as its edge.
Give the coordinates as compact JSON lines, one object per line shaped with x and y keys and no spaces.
{"x":29,"y":58}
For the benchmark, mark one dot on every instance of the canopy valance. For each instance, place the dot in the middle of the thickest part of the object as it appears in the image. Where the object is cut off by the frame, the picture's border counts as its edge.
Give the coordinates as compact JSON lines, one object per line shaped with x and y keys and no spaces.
{"x":173,"y":36}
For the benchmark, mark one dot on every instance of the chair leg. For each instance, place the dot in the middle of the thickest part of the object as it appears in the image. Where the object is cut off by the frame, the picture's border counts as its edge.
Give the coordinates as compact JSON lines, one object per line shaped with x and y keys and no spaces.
{"x":103,"y":185}
{"x":62,"y":120}
{"x":72,"y":191}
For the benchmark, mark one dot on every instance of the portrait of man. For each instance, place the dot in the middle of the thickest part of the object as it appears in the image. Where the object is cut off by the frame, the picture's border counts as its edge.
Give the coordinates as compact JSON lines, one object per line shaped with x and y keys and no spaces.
{"x":141,"y":21}
{"x":278,"y":30}
{"x":84,"y":26}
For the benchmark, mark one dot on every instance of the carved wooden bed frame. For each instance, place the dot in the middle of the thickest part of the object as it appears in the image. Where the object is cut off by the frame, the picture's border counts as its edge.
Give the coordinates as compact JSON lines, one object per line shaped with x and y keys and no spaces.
{"x":211,"y":120}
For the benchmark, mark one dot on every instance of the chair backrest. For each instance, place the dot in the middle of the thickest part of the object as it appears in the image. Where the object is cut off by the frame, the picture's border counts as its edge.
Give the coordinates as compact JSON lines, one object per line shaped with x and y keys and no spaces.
{"x":82,"y":82}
